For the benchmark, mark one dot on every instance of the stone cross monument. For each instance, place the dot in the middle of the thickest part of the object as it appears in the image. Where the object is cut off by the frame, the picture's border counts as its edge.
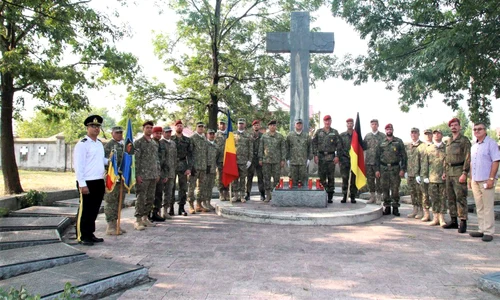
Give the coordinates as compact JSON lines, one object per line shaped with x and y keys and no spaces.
{"x":300,"y":42}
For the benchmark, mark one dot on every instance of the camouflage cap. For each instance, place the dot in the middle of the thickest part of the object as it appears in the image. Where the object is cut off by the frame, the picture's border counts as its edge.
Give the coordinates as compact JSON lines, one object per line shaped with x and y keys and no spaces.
{"x":428,"y":131}
{"x":211,"y":131}
{"x":437,"y":130}
{"x":200,"y":124}
{"x":415,"y":129}
{"x":272,"y":122}
{"x":298,"y":121}
{"x":374,"y":121}
{"x":241,"y":121}
{"x":116,"y":129}
{"x":167,"y":129}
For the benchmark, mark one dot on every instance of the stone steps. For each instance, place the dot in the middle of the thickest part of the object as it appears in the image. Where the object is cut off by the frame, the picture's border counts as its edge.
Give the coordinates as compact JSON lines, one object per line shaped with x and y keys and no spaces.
{"x":46,"y":211}
{"x":75,"y":202}
{"x":14,"y":262}
{"x":34,"y":223}
{"x":95,"y":278}
{"x":19,"y":239}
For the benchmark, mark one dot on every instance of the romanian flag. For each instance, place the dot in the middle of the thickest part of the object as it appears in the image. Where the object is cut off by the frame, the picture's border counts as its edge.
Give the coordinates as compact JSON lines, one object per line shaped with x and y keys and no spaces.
{"x":128,"y":160}
{"x":112,"y":174}
{"x":230,"y":167}
{"x":357,"y":156}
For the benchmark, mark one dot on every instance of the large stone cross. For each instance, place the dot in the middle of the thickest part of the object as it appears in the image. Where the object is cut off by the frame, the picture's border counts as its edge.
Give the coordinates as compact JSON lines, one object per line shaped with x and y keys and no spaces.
{"x":300,"y":42}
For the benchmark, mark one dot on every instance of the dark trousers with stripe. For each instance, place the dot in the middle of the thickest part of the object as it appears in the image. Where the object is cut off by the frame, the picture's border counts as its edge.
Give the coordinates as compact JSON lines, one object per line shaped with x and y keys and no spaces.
{"x":89,"y":209}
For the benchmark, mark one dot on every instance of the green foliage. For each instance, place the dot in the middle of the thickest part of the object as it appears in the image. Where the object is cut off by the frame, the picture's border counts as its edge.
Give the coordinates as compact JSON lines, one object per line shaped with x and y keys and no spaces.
{"x":448,"y":47}
{"x":4,"y":212}
{"x":33,"y":198}
{"x":464,"y":123}
{"x":70,"y":292}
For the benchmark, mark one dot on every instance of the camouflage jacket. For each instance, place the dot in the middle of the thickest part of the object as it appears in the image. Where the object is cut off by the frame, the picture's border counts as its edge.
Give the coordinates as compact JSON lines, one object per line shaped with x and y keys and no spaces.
{"x":244,"y":147}
{"x":345,"y":158}
{"x":117,"y":147}
{"x":220,"y":140}
{"x":272,"y":148}
{"x":162,"y":152}
{"x":457,"y":160}
{"x":255,"y":137}
{"x":326,"y":144}
{"x":433,"y":163}
{"x":147,"y":164}
{"x":391,"y":152}
{"x":214,"y":153}
{"x":184,"y":153}
{"x":370,"y":144}
{"x":200,"y":148}
{"x":298,"y":148}
{"x":170,"y":157}
{"x":415,"y":153}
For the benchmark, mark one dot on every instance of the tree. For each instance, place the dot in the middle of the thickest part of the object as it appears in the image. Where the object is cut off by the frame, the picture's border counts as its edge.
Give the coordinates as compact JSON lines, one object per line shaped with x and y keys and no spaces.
{"x":464,"y":124}
{"x":449,"y":47}
{"x":219,"y":60}
{"x":53,"y":51}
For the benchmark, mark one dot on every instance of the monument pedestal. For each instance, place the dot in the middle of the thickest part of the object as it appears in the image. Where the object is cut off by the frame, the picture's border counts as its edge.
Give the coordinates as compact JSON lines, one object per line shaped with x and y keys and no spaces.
{"x":299,"y":197}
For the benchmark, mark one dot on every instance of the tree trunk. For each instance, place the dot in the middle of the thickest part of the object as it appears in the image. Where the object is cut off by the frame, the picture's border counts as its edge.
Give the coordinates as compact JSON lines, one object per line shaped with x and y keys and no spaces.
{"x":213,"y":110}
{"x":213,"y":106}
{"x":9,"y":166}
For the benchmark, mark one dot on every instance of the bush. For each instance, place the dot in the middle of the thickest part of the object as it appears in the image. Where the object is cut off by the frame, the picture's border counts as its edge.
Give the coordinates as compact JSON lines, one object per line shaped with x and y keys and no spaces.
{"x":33,"y":198}
{"x":70,"y":292}
{"x":4,"y":212}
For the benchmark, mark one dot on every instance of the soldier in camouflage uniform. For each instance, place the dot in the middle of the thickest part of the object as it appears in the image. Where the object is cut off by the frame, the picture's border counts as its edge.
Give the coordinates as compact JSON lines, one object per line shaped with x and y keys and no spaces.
{"x":345,"y":164}
{"x":199,"y":170}
{"x":424,"y":187}
{"x":457,"y":165}
{"x":327,"y":147}
{"x":213,"y":156}
{"x":370,"y":143}
{"x":220,"y":140}
{"x":298,"y":153}
{"x":111,"y":200}
{"x":432,"y":172}
{"x":155,"y":214}
{"x":244,"y":154}
{"x":184,"y":164}
{"x":391,"y":161}
{"x":272,"y":154}
{"x":255,"y":167}
{"x":171,"y":159}
{"x":415,"y":153}
{"x":147,"y":172}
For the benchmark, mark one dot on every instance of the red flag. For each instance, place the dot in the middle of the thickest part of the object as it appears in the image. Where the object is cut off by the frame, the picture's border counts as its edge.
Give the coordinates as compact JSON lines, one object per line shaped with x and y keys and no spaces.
{"x":230,"y":166}
{"x":357,"y":156}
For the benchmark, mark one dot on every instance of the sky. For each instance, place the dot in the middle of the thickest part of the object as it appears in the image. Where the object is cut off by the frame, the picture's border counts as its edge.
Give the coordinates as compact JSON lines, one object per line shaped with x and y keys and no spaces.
{"x":336,"y":97}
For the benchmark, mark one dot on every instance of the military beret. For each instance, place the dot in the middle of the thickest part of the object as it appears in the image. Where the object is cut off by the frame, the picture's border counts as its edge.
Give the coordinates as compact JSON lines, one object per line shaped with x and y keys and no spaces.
{"x":211,"y":131}
{"x":374,"y":121}
{"x":222,"y":122}
{"x":178,"y":122}
{"x":157,"y":129}
{"x":453,"y":121}
{"x":388,"y":126}
{"x":93,"y":120}
{"x":349,"y":120}
{"x":255,"y":122}
{"x":428,"y":131}
{"x":437,"y":130}
{"x":200,"y":124}
{"x":327,"y":117}
{"x":167,"y":129}
{"x":415,"y":129}
{"x":298,"y":121}
{"x":272,"y":122}
{"x":148,"y":123}
{"x":117,"y":129}
{"x":241,"y":121}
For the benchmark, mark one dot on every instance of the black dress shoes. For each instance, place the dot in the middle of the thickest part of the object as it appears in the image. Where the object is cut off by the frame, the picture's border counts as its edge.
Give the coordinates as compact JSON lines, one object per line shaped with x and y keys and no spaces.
{"x":96,"y":239}
{"x":86,"y":242}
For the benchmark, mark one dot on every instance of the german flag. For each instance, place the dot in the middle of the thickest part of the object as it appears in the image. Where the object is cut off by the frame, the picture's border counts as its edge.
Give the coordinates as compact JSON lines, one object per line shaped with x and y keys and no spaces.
{"x":357,"y":156}
{"x":230,"y":166}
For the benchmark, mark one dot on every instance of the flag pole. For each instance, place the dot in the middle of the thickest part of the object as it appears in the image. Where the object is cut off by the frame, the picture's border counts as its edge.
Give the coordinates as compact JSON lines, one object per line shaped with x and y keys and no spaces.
{"x":230,"y":194}
{"x":349,"y":184}
{"x":119,"y":208}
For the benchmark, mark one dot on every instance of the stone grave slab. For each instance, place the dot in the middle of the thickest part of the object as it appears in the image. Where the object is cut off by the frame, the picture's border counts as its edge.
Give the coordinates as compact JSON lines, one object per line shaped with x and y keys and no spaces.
{"x":14,"y":262}
{"x":75,"y":202}
{"x":33,"y":223}
{"x":490,"y":283}
{"x":95,"y":278}
{"x":299,"y":197}
{"x":46,"y":211}
{"x":19,"y":239}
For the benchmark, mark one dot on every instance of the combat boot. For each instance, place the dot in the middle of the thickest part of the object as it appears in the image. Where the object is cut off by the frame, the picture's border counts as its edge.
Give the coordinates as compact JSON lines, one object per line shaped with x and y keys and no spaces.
{"x":268,"y":196}
{"x":226,"y":195}
{"x":427,"y":215}
{"x":420,"y":213}
{"x":463,"y":226}
{"x":372,"y":198}
{"x":138,"y":225}
{"x":181,"y":211}
{"x":435,"y":219}
{"x":344,"y":199}
{"x":111,"y":229}
{"x":413,"y":212}
{"x":221,"y":195}
{"x":247,"y":197}
{"x":244,"y":199}
{"x":147,"y":223}
{"x":191,"y":208}
{"x":199,"y":208}
{"x":171,"y":210}
{"x":164,"y":213}
{"x":387,"y":210}
{"x":395,"y":211}
{"x":330,"y":197}
{"x":353,"y":199}
{"x":378,"y":199}
{"x":442,"y":222}
{"x":209,"y":204}
{"x":122,"y":230}
{"x":262,"y":196}
{"x":235,"y":197}
{"x":452,"y":225}
{"x":204,"y":206}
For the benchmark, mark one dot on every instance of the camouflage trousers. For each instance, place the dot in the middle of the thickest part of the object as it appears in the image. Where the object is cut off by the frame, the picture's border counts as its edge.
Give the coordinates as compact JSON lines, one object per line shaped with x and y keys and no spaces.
{"x":239,"y":184}
{"x":457,"y":197}
{"x":111,"y":201}
{"x":255,"y":168}
{"x":326,"y":172}
{"x":374,"y":183}
{"x":345,"y":170}
{"x":271,"y":170}
{"x":182,"y":182}
{"x":426,"y":202}
{"x":158,"y":196}
{"x":298,"y":172}
{"x":145,"y":197}
{"x":168,"y":192}
{"x":196,"y":180}
{"x":390,"y":181}
{"x":208,"y":186}
{"x":415,"y":191}
{"x":436,"y":191}
{"x":220,"y":186}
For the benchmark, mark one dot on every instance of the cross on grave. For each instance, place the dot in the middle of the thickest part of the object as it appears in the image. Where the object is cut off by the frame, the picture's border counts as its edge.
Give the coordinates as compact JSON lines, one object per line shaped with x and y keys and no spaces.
{"x":42,"y":150}
{"x":24,"y":150}
{"x":300,"y":42}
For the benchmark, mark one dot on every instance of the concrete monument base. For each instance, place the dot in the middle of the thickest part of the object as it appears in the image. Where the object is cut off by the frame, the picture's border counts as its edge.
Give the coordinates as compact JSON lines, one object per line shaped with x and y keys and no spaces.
{"x":299,"y":197}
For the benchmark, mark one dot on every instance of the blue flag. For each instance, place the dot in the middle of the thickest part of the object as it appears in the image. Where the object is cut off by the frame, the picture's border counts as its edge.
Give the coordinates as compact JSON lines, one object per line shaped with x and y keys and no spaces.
{"x":128,"y":160}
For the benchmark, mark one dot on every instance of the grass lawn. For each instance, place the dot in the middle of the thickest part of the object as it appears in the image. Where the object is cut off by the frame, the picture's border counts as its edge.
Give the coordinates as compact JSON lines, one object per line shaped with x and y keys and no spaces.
{"x":43,"y":181}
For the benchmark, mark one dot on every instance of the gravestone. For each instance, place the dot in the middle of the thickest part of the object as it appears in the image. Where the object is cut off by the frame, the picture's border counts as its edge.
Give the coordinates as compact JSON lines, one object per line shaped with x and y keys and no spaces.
{"x":299,"y":42}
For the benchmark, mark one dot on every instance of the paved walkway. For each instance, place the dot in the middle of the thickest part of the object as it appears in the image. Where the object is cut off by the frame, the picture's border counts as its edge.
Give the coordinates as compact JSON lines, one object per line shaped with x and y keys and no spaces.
{"x":204,"y":256}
